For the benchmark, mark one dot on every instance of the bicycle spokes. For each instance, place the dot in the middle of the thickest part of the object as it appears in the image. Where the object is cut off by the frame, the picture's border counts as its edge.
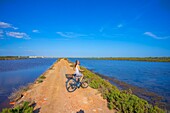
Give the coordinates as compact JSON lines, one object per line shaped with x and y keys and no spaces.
{"x":71,"y":85}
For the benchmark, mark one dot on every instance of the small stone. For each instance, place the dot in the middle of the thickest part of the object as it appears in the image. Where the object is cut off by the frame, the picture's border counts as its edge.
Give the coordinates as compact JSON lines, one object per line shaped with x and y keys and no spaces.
{"x":94,"y":110}
{"x":100,"y":109}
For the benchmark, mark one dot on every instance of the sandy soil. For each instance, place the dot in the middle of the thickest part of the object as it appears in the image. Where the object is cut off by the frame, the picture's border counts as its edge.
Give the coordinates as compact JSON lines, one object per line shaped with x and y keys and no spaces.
{"x":51,"y":95}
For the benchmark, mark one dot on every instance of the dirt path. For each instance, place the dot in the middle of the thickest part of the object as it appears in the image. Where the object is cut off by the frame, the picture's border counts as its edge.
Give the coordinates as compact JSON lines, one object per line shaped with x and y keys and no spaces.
{"x":51,"y":95}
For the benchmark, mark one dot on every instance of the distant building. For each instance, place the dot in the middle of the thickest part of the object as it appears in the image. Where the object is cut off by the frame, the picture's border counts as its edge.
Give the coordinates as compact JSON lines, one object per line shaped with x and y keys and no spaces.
{"x":36,"y":56}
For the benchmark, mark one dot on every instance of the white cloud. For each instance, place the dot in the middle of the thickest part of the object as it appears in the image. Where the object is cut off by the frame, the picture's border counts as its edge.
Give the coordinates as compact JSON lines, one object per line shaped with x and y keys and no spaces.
{"x":155,"y":36}
{"x":18,"y":35}
{"x":7,"y":25}
{"x":70,"y":34}
{"x":1,"y":33}
{"x":15,"y":28}
{"x":35,"y":31}
{"x":120,"y":25}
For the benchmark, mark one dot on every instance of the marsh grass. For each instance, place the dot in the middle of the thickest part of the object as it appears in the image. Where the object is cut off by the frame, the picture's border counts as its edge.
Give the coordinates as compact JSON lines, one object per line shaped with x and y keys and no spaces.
{"x":121,"y":100}
{"x":18,"y":93}
{"x":25,"y":107}
{"x":151,"y":97}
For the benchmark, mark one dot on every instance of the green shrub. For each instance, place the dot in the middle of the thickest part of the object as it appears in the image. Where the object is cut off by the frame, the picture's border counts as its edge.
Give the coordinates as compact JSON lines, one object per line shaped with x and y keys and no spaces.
{"x":24,"y":108}
{"x":42,"y":77}
{"x":39,"y":80}
{"x":123,"y":101}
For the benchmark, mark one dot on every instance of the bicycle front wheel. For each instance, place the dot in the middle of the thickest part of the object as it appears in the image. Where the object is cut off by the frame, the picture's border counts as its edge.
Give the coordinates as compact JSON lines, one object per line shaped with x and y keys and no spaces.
{"x":84,"y":84}
{"x":71,"y":85}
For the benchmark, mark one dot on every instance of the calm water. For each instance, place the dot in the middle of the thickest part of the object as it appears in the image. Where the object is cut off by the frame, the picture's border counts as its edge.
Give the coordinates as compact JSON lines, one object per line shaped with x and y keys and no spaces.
{"x":154,"y":76}
{"x":15,"y":73}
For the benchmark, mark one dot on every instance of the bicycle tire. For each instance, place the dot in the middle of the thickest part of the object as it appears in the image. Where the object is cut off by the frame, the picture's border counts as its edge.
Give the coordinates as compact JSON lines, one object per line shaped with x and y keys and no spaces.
{"x":71,"y":83}
{"x":84,"y":84}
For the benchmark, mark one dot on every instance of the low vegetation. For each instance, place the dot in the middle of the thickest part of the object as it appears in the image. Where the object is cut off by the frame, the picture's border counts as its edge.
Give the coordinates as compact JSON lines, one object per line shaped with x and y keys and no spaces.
{"x":41,"y":78}
{"x":18,"y":93}
{"x":123,"y":101}
{"x":63,"y":58}
{"x":149,"y":59}
{"x":25,"y":107}
{"x":151,"y":97}
{"x":59,"y":59}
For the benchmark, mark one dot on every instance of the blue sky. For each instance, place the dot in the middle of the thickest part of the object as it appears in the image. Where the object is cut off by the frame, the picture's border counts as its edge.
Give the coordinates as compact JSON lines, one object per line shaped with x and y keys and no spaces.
{"x":85,"y":28}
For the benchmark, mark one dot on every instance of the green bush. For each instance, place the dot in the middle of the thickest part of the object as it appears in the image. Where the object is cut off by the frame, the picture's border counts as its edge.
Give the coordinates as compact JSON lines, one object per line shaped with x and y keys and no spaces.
{"x":24,"y":108}
{"x":42,"y":77}
{"x":122,"y":101}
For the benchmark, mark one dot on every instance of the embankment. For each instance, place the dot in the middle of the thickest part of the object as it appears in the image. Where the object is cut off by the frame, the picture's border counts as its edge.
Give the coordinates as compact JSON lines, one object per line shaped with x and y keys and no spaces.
{"x":49,"y":94}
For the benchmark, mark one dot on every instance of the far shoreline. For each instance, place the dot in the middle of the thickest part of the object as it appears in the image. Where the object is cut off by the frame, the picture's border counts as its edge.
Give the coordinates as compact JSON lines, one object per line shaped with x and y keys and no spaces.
{"x":22,"y":57}
{"x":142,"y":59}
{"x":13,"y":57}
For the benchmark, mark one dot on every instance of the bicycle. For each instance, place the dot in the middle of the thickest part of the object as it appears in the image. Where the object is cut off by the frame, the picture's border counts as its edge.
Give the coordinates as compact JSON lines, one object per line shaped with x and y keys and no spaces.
{"x":74,"y":82}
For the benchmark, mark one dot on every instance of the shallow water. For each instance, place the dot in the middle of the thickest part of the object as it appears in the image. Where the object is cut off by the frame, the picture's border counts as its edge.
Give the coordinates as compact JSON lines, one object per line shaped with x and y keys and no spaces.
{"x":152,"y":76}
{"x":16,"y":73}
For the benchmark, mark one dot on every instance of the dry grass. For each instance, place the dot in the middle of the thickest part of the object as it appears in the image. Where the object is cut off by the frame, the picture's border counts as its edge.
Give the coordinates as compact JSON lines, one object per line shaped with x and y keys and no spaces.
{"x":18,"y":93}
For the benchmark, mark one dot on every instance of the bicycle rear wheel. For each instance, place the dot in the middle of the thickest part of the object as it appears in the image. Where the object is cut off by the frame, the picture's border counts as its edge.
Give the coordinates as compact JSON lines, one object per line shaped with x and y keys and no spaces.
{"x":84,"y":84}
{"x":71,"y":85}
